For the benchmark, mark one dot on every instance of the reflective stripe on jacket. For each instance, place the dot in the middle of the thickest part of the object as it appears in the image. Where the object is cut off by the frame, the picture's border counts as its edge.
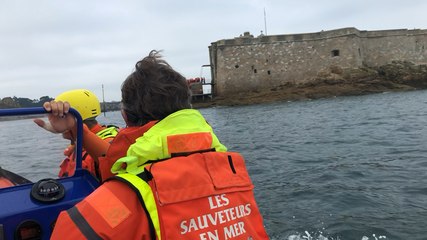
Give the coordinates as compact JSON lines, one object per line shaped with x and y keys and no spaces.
{"x":109,"y":131}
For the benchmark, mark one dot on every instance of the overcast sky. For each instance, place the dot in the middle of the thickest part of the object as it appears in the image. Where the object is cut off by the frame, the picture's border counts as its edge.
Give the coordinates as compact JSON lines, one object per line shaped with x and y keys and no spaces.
{"x":50,"y":46}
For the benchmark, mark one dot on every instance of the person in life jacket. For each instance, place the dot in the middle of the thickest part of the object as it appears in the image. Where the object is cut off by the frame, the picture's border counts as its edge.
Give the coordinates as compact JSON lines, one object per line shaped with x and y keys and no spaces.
{"x":89,"y":107}
{"x":175,"y":180}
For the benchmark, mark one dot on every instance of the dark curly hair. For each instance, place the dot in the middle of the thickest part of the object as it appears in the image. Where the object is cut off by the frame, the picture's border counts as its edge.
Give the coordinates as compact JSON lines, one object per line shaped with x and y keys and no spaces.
{"x":153,"y":91}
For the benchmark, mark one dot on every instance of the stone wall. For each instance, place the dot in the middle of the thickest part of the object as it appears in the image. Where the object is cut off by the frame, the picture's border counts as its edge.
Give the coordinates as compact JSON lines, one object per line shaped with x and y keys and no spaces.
{"x":382,"y":47}
{"x":248,"y":63}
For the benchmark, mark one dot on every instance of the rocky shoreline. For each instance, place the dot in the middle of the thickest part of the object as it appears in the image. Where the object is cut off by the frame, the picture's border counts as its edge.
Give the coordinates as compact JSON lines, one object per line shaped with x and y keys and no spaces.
{"x":396,"y":76}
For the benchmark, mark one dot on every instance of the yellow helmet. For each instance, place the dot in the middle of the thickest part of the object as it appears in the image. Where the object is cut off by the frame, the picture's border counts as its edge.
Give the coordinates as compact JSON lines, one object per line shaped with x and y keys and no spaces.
{"x":83,"y":100}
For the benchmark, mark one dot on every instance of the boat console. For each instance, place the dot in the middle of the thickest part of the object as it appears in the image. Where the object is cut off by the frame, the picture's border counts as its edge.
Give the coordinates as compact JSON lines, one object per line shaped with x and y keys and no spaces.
{"x":29,"y":210}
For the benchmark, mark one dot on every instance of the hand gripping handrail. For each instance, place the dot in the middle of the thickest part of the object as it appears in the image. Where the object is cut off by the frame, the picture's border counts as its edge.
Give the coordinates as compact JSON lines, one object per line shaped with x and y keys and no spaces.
{"x":41,"y":110}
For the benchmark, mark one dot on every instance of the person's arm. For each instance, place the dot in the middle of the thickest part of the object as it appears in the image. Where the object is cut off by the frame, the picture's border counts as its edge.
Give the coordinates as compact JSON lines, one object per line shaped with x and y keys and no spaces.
{"x":61,"y":122}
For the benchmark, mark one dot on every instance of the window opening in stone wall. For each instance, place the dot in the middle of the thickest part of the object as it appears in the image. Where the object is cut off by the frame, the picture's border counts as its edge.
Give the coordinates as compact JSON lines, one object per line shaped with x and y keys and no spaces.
{"x":335,"y":53}
{"x":254,"y":70}
{"x":360,"y":54}
{"x":268,"y":72}
{"x":253,"y":67}
{"x":236,"y":66}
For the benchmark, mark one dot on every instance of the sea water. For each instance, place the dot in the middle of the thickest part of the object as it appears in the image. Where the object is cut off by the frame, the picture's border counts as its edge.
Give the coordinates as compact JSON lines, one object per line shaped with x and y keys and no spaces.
{"x":339,"y":168}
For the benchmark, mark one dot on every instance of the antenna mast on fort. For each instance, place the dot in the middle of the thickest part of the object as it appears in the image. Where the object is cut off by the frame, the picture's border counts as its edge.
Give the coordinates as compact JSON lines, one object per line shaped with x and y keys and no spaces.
{"x":265,"y":22}
{"x":103,"y":100}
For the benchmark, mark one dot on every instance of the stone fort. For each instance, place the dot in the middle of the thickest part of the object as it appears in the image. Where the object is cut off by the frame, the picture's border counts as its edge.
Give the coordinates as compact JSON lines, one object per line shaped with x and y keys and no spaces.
{"x":249,"y":63}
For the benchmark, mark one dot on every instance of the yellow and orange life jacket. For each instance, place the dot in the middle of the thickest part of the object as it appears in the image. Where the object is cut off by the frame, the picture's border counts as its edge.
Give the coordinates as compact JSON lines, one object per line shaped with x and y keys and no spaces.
{"x":176,"y":182}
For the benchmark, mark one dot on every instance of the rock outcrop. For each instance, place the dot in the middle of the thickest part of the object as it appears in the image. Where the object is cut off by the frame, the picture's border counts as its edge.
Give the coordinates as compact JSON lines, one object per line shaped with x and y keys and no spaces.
{"x":335,"y":81}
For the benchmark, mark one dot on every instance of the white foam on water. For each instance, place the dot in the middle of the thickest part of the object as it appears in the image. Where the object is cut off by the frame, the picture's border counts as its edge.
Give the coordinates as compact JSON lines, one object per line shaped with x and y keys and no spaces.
{"x":374,"y":237}
{"x":308,"y":236}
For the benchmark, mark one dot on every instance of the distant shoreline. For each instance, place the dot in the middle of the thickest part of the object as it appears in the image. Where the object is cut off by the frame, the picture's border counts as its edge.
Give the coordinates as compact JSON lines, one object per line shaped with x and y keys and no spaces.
{"x":21,"y":117}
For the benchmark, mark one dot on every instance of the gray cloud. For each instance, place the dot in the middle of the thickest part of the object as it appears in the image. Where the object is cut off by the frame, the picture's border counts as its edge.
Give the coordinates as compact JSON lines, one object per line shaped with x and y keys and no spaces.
{"x":50,"y":46}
